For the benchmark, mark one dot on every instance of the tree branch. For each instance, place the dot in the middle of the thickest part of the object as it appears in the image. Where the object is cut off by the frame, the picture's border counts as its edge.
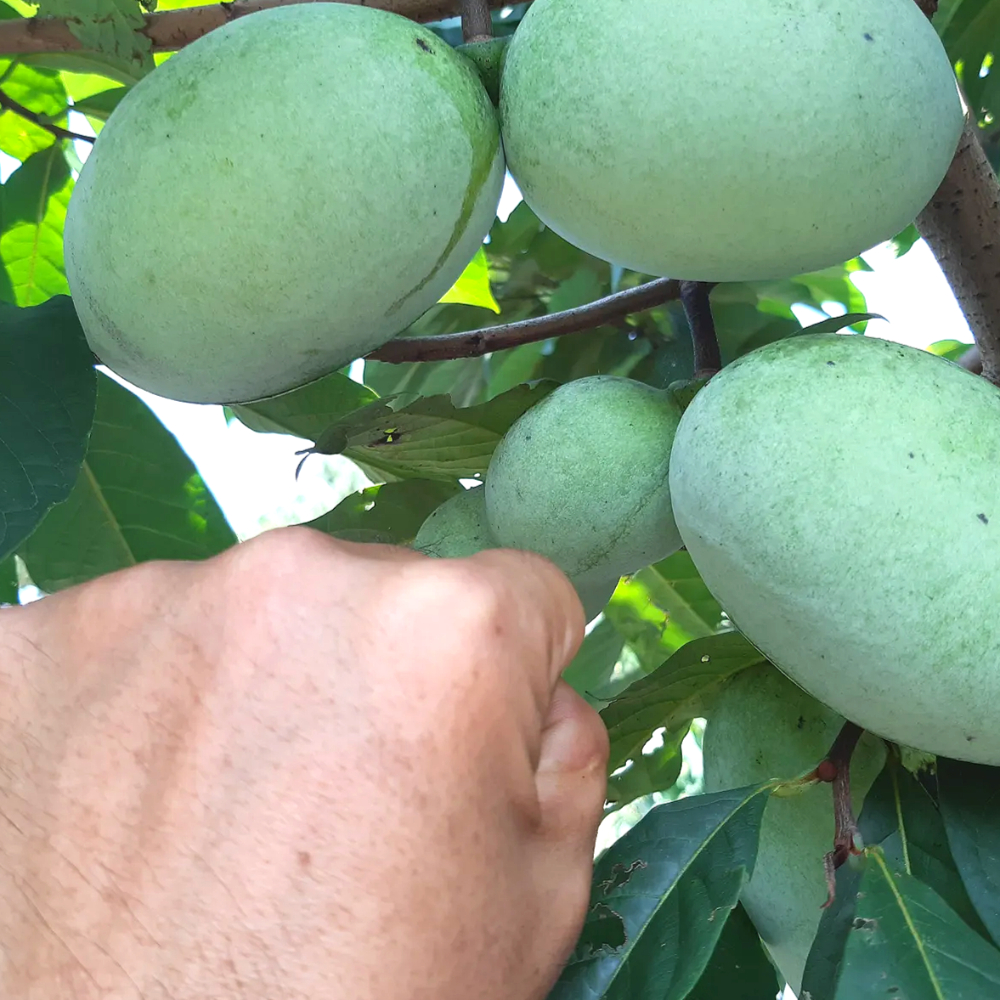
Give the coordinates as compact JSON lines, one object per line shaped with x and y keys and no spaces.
{"x":961,"y":225}
{"x":9,"y":104}
{"x":698,"y":309}
{"x":476,"y":343}
{"x":477,"y":25}
{"x":173,"y":29}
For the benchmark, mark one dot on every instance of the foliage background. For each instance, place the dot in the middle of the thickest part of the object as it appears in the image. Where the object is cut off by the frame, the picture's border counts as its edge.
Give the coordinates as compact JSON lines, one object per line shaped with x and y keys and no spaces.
{"x":404,"y":438}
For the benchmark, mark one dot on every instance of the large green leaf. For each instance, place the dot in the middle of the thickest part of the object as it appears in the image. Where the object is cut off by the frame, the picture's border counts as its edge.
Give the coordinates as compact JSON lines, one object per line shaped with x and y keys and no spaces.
{"x":427,"y":437}
{"x":138,"y":497}
{"x":740,"y":968}
{"x":591,"y":668}
{"x":680,"y":690}
{"x":660,"y":898}
{"x":890,"y":936}
{"x":970,"y":805}
{"x":306,"y":412}
{"x":47,"y":399}
{"x":902,"y":818}
{"x":39,"y":90}
{"x":389,"y":514}
{"x":9,"y":588}
{"x":35,"y":199}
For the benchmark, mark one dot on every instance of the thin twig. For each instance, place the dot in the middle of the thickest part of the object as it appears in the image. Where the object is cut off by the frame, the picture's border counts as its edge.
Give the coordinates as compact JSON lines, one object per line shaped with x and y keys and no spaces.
{"x":476,"y":343}
{"x":698,"y":309}
{"x":173,"y":29}
{"x":845,"y":836}
{"x":9,"y":104}
{"x":477,"y":24}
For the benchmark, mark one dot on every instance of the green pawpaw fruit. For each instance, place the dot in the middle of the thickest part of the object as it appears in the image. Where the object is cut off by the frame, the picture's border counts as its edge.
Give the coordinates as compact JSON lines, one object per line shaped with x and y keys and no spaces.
{"x":727,"y":141}
{"x":581,"y":478}
{"x":840,"y":496}
{"x":280,"y":197}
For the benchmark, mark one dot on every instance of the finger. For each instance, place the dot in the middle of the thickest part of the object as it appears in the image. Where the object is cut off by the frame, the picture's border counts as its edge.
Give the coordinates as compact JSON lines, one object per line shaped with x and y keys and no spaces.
{"x":544,"y":617}
{"x":571,"y":776}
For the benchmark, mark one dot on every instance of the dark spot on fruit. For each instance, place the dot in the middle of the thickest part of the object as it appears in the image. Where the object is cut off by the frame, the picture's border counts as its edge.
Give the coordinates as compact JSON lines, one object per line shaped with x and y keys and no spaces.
{"x":969,"y":739}
{"x":911,"y":454}
{"x":801,"y":722}
{"x":831,"y":363}
{"x":892,"y":989}
{"x":423,"y":45}
{"x":983,"y":518}
{"x":868,"y":38}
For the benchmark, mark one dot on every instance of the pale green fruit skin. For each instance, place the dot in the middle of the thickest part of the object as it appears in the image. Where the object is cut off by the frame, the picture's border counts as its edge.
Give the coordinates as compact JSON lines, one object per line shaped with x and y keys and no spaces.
{"x":840,"y":496}
{"x":280,"y":197}
{"x":581,"y":478}
{"x":731,"y":140}
{"x":459,"y":528}
{"x":762,"y":726}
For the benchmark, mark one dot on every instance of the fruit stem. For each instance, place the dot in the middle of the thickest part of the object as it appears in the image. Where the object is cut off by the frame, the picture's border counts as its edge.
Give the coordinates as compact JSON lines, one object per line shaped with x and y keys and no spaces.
{"x":846,"y":837}
{"x":476,"y":343}
{"x":698,"y":309}
{"x":477,"y":23}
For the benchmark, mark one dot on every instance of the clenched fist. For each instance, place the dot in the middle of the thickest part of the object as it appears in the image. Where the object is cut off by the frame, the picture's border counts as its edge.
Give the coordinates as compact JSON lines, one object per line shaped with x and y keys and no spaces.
{"x":301,"y":769}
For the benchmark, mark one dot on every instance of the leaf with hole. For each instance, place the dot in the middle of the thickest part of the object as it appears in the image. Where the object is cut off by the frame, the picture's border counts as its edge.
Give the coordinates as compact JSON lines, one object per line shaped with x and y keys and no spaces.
{"x":660,"y":897}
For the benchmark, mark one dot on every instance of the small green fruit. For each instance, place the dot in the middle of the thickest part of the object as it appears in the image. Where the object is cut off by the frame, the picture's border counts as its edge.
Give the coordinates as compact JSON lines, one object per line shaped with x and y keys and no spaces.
{"x":840,"y":496}
{"x":280,"y":197}
{"x":762,"y":726}
{"x":728,"y":140}
{"x":582,"y":478}
{"x":459,"y":528}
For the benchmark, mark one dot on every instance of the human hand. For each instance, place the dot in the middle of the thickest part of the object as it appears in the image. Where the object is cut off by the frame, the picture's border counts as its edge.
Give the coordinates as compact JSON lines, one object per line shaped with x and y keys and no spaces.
{"x":301,"y":769}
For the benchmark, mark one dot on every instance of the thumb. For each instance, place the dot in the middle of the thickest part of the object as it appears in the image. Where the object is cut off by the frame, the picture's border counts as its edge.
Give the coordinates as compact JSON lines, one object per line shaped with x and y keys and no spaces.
{"x":571,"y":777}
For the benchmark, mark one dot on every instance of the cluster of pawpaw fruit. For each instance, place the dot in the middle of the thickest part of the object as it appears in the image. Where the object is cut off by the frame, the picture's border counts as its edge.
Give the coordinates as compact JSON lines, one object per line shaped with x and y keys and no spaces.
{"x":294,"y":189}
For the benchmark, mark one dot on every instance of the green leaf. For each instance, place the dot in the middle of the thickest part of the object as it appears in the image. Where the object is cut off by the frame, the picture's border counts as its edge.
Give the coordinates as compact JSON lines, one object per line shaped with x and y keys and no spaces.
{"x":138,"y":497}
{"x":902,"y":243}
{"x":390,"y":514}
{"x":660,"y":898}
{"x":101,"y":105}
{"x":951,"y":350}
{"x":308,"y":411}
{"x":739,"y":968}
{"x":594,"y":662}
{"x":473,"y":285}
{"x":900,"y":816}
{"x":677,"y":587}
{"x":427,"y":437}
{"x":110,"y":27}
{"x":39,"y":90}
{"x":35,"y":199}
{"x":836,"y":323}
{"x":9,"y":589}
{"x":655,"y":770}
{"x":680,"y":690}
{"x":47,"y":399}
{"x":889,"y":935}
{"x":970,"y":806}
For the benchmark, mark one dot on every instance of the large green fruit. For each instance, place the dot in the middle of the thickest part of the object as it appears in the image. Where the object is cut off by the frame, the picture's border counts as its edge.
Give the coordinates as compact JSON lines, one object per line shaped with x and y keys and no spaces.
{"x":727,"y":140}
{"x":459,"y":528}
{"x":278,"y":198}
{"x":762,"y":727}
{"x":582,"y":478}
{"x":840,"y":496}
